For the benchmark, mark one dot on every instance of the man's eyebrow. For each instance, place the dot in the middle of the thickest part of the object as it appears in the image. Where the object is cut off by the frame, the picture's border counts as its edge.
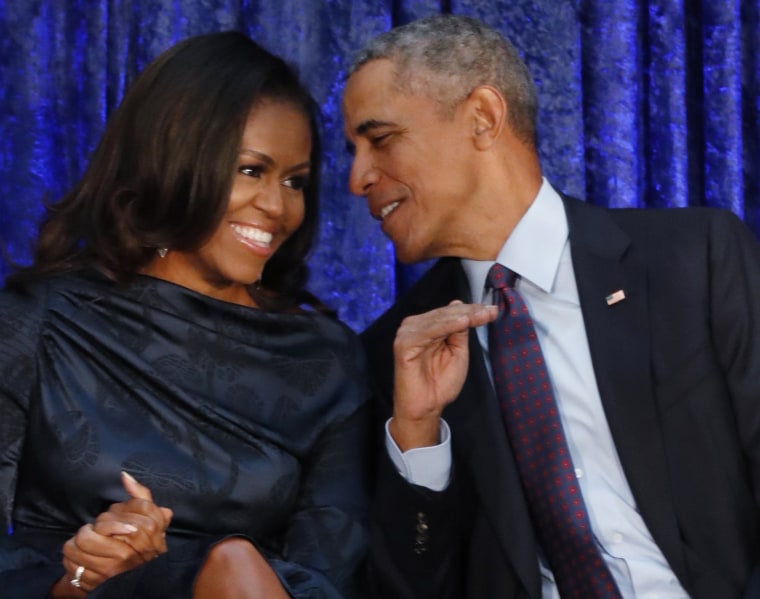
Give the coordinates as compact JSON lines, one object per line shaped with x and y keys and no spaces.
{"x":370,"y":124}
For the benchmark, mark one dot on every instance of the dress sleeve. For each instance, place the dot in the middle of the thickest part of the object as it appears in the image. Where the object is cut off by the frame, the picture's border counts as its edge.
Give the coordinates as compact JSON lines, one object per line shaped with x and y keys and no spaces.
{"x":24,"y":572}
{"x":20,"y":323}
{"x":327,"y":538}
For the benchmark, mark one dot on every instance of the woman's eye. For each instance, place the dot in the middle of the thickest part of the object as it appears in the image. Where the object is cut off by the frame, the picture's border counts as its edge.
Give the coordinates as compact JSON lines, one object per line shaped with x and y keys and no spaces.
{"x":296,"y":183}
{"x":251,"y":171}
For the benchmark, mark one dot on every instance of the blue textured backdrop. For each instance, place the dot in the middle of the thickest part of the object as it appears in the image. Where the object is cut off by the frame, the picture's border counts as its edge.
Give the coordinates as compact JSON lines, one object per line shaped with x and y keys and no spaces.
{"x":643,"y":103}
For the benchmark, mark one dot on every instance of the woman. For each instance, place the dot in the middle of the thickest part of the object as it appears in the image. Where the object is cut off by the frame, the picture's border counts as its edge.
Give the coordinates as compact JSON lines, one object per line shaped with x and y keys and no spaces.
{"x":163,"y":331}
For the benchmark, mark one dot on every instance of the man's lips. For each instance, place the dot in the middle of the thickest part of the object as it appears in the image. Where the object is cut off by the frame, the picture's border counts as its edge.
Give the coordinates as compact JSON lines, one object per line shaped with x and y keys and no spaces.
{"x":387,"y":209}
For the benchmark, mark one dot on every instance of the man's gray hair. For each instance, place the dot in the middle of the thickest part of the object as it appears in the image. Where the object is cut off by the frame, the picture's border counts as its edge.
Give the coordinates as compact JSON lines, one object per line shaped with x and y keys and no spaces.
{"x":447,"y":56}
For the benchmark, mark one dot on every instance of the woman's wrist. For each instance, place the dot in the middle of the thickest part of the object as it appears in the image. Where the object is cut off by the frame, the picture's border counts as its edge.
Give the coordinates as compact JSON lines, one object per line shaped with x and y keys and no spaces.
{"x":63,"y":589}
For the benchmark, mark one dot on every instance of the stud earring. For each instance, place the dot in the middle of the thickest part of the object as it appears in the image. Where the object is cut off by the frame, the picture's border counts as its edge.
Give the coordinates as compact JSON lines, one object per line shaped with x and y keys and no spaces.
{"x":162,"y":251}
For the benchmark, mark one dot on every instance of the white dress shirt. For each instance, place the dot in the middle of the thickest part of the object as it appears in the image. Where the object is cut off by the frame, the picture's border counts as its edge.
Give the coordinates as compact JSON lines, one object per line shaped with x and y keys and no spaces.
{"x":538,"y":250}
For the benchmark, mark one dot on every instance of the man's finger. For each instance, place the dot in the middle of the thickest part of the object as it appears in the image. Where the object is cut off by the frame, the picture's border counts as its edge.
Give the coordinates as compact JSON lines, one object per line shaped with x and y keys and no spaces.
{"x":440,"y":324}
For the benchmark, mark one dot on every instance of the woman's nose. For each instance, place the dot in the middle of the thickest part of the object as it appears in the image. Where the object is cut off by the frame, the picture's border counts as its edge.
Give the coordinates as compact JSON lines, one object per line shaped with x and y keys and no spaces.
{"x":269,"y":199}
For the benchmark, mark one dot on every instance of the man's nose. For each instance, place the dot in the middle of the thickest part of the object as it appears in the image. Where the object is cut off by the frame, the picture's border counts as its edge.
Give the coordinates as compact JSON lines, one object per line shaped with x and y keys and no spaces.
{"x":363,"y":174}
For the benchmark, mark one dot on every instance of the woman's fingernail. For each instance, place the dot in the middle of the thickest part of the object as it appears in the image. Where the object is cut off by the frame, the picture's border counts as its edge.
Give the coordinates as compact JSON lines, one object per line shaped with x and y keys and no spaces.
{"x":128,"y":476}
{"x":130,"y":528}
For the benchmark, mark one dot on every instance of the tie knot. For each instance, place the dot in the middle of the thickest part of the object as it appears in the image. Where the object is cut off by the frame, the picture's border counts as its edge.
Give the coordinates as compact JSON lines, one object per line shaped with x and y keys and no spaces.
{"x":500,"y":277}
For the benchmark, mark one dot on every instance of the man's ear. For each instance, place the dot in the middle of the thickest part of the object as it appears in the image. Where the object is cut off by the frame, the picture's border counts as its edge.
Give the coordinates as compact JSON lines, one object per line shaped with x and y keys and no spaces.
{"x":489,"y":115}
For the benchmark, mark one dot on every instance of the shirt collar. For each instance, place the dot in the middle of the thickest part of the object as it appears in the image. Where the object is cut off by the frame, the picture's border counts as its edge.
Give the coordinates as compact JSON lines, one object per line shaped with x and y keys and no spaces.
{"x":543,"y":227}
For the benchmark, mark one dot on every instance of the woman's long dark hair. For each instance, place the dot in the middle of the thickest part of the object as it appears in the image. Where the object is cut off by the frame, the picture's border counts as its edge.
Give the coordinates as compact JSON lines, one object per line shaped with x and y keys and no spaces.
{"x":161,"y":175}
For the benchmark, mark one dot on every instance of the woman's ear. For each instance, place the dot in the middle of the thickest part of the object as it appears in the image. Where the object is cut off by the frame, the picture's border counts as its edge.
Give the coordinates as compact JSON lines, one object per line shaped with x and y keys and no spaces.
{"x":489,"y":115}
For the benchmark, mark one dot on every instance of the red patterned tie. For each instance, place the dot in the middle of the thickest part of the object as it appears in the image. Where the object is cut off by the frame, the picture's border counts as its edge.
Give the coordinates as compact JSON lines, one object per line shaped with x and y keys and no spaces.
{"x":538,"y":442}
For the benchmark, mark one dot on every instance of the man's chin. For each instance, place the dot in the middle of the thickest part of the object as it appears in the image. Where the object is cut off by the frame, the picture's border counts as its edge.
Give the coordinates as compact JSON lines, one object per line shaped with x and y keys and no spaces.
{"x":408,"y":255}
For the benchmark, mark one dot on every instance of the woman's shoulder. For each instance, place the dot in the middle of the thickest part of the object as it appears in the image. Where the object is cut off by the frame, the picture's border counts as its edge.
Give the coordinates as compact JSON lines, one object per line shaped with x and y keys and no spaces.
{"x":330,"y":330}
{"x":38,"y":292}
{"x":331,"y":336}
{"x":28,"y":297}
{"x":24,"y":313}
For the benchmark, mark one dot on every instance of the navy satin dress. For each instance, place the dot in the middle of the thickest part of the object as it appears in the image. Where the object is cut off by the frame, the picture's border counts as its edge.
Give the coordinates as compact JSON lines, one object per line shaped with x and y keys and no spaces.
{"x":243,"y":422}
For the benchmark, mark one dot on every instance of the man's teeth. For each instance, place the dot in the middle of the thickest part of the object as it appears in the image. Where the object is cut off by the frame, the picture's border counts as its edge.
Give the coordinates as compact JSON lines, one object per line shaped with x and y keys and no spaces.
{"x":388,"y":209}
{"x":254,"y":234}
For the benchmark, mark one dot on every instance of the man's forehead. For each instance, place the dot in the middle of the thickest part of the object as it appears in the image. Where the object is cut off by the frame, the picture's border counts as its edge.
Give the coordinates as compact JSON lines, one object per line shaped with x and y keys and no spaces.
{"x":375,"y":70}
{"x":365,"y":100}
{"x":370,"y":97}
{"x":366,"y":84}
{"x":368,"y":118}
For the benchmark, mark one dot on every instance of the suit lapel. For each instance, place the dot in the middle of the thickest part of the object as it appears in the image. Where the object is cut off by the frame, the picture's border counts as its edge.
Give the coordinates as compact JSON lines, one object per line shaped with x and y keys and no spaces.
{"x":480,"y":442}
{"x":605,"y":261}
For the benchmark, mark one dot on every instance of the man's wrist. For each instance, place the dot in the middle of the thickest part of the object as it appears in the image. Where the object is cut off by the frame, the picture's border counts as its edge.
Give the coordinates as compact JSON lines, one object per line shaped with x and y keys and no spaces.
{"x":413,"y":433}
{"x":428,"y":467}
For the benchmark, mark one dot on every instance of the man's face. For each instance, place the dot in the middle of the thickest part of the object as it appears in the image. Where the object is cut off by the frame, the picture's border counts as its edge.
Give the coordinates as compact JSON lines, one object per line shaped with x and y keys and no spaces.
{"x":411,"y":163}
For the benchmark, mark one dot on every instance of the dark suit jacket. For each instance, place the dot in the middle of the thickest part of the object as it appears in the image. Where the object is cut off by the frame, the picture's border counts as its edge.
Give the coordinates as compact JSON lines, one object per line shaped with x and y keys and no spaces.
{"x":677,"y":364}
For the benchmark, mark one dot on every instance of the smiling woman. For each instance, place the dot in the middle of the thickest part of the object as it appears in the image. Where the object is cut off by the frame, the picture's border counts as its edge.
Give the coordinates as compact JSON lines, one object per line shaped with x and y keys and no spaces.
{"x":266,"y":206}
{"x":180,"y":417}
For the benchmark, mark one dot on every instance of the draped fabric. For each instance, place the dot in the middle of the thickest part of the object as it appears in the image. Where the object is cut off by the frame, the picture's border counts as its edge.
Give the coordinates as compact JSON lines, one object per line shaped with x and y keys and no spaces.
{"x":642,"y":103}
{"x":245,"y":422}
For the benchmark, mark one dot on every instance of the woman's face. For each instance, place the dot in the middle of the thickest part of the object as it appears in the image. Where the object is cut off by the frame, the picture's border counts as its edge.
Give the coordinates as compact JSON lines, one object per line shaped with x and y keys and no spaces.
{"x":266,"y":205}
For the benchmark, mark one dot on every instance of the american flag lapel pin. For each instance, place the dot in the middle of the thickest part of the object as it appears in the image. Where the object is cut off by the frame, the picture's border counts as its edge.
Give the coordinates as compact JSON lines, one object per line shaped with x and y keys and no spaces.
{"x":615,"y":297}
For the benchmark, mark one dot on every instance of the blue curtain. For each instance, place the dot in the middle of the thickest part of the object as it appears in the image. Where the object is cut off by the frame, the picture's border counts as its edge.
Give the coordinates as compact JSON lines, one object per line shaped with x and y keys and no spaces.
{"x":643,"y":103}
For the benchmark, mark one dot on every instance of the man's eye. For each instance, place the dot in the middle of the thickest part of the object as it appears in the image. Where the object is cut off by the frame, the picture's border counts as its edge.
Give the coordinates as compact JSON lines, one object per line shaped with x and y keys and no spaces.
{"x":296,"y":183}
{"x":379,"y":139}
{"x":251,"y":171}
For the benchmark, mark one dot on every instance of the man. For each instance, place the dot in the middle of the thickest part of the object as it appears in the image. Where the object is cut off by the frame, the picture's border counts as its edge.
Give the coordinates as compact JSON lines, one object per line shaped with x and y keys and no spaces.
{"x":645,"y":321}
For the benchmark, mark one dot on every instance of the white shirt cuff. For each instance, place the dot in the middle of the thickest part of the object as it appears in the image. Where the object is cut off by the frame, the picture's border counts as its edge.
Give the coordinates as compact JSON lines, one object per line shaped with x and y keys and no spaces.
{"x":428,"y":467}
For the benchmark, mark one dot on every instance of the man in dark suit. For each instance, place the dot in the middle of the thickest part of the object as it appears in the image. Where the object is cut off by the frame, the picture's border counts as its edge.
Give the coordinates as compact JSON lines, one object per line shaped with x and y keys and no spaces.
{"x":648,"y":323}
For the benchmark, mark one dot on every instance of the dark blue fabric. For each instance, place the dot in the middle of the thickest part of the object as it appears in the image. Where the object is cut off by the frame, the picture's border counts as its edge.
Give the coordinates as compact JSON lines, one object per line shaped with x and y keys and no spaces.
{"x":244,"y":422}
{"x":643,"y":103}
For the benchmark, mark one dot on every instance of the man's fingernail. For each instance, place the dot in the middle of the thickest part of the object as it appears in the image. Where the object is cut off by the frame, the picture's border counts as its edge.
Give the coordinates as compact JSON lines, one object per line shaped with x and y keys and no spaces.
{"x":128,"y":476}
{"x":130,"y":528}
